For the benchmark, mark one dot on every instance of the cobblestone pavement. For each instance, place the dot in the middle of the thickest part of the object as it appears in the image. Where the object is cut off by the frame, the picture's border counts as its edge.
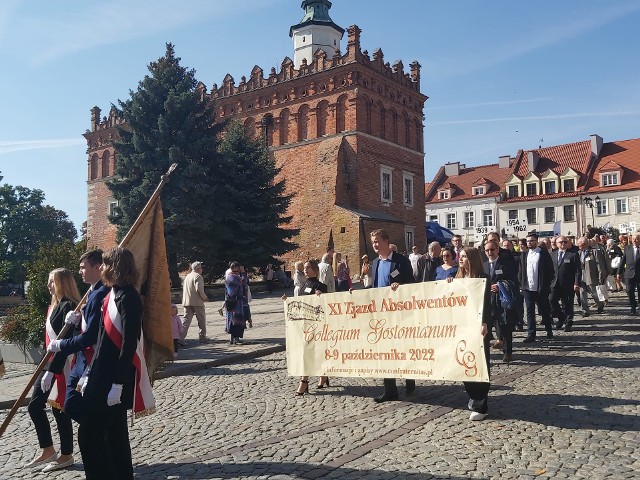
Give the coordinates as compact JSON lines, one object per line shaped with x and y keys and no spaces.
{"x":564,"y":408}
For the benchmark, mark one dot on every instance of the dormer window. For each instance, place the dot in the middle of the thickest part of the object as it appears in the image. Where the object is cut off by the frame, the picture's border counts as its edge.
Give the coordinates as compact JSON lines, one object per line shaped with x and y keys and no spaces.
{"x":513,"y":191}
{"x":478,"y":190}
{"x":532,"y":189}
{"x":443,"y":195}
{"x":609,"y":179}
{"x":550,"y":187}
{"x":569,"y":185}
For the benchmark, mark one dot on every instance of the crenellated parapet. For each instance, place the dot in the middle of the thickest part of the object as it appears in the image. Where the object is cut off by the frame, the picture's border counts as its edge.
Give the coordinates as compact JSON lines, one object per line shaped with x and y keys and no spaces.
{"x":106,"y":122}
{"x":323,"y":64}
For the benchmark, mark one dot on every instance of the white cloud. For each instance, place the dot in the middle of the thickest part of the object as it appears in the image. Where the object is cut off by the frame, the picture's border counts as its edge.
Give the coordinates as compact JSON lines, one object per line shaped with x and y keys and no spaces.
{"x":87,"y":25}
{"x":19,"y":145}
{"x":491,"y":104}
{"x":537,"y":117}
{"x":533,"y":36}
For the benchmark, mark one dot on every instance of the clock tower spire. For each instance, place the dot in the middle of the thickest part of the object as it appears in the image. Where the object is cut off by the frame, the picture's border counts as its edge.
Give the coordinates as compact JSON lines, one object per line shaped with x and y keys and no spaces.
{"x":315,"y":30}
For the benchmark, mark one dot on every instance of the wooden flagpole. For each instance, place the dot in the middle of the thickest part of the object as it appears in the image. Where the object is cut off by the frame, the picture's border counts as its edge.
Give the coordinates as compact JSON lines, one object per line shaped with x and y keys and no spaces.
{"x":163,"y":180}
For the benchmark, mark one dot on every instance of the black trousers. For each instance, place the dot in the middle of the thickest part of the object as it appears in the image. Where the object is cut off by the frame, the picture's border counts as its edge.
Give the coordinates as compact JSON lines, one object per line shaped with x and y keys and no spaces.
{"x":40,"y":421}
{"x":391,"y":388}
{"x":479,"y":391}
{"x":73,"y":401}
{"x":633,"y":285}
{"x":565,"y":297}
{"x":544,"y":309}
{"x":104,"y":444}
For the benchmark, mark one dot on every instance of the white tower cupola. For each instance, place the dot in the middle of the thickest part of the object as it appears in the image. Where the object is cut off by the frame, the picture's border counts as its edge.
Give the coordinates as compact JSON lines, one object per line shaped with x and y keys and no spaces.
{"x":315,"y":30}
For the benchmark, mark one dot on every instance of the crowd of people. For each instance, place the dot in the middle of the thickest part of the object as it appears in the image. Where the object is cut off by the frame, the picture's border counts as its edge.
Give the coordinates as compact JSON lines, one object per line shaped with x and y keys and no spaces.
{"x":527,"y":279}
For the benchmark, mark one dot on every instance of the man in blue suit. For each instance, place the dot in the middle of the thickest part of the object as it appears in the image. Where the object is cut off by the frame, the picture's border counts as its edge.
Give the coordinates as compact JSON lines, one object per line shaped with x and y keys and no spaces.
{"x":82,"y":343}
{"x":390,"y":269}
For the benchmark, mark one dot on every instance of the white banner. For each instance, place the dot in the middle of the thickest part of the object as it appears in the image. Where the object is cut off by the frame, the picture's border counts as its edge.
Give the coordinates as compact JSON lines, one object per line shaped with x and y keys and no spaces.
{"x":429,"y":330}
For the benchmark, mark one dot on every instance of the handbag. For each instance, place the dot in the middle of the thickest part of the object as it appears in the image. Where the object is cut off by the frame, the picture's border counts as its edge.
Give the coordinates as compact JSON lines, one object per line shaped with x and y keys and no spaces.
{"x":230,"y":303}
{"x":615,"y":262}
{"x":603,"y":294}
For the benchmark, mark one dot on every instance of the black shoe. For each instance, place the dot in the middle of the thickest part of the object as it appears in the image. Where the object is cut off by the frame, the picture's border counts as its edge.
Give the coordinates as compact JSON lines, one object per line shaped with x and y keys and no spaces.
{"x":387,"y":397}
{"x":600,"y":309}
{"x":568,"y":327}
{"x":549,"y":334}
{"x":559,"y":325}
{"x":529,"y":340}
{"x":586,"y":314}
{"x":633,"y":311}
{"x":410,"y":387}
{"x":520,"y":327}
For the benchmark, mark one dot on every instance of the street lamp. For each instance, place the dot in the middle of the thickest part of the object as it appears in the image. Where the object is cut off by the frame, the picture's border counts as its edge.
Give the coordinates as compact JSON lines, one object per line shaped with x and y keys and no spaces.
{"x":589,"y":202}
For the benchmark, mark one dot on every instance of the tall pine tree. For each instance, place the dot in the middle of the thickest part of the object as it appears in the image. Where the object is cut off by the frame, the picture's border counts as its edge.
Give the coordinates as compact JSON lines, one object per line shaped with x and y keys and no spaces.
{"x":216,"y":204}
{"x":167,"y":120}
{"x":257,"y":220}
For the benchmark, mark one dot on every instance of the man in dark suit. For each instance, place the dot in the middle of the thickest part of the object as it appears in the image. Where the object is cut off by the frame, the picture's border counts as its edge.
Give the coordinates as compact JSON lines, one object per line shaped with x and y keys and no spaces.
{"x":536,"y":274}
{"x":631,"y":271}
{"x":390,"y":269}
{"x":428,"y":263}
{"x":500,"y":268}
{"x":83,"y":343}
{"x":566,"y":284}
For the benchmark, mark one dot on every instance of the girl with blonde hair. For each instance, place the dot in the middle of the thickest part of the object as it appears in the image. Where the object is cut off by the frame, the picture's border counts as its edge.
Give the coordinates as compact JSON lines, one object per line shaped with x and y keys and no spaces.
{"x":52,"y":383}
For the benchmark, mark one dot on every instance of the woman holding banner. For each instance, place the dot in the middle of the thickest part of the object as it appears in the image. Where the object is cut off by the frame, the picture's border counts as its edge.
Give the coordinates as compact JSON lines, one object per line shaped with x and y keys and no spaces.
{"x":470,"y":266}
{"x":311,"y":286}
{"x":116,"y":367}
{"x":52,"y":383}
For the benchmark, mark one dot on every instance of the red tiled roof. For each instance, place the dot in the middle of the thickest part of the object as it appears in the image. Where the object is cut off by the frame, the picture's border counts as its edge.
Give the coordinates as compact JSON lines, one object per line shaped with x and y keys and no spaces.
{"x":556,"y":158}
{"x":463,"y":183}
{"x":624,"y":154}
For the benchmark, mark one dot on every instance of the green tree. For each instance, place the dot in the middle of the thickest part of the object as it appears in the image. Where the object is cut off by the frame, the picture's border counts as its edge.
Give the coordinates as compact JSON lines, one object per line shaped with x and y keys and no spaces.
{"x":169,"y":120}
{"x":24,"y":325}
{"x":257,"y":222}
{"x":217,"y":205}
{"x":26,"y":224}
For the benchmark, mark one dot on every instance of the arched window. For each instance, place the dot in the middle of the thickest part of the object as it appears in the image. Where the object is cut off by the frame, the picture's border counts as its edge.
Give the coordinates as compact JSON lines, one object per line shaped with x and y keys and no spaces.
{"x":418,"y":130}
{"x":303,"y":123}
{"x":250,"y":128}
{"x":382,"y":118}
{"x":392,"y":126}
{"x":285,"y":119}
{"x":321,"y":115}
{"x":105,"y":163}
{"x":93,"y":167}
{"x":341,"y":114}
{"x":267,"y":129}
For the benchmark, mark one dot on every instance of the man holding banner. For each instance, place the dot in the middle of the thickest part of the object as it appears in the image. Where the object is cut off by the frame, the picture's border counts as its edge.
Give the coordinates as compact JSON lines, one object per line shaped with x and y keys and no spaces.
{"x":390,"y":269}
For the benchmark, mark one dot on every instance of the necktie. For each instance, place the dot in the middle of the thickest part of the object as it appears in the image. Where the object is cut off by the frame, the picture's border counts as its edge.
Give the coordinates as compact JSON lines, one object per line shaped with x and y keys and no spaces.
{"x":637,"y":253}
{"x":560,"y":255}
{"x":491,"y":269}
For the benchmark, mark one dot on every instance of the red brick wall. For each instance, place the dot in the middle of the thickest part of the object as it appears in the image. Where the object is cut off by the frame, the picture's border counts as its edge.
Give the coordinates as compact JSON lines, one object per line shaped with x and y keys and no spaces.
{"x":330,"y":127}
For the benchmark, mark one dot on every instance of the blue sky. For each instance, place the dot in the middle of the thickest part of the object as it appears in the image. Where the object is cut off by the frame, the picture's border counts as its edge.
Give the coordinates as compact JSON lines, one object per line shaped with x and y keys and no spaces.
{"x":500,"y":75}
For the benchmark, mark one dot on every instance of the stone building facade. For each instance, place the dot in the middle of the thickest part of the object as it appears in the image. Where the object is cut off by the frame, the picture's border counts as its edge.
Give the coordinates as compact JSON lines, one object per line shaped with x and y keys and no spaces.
{"x":346,"y":130}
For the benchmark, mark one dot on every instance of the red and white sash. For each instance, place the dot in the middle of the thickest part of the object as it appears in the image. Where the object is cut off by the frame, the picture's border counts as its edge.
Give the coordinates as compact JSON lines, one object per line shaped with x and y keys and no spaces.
{"x":59,"y":388}
{"x":143,"y":401}
{"x":88,"y":351}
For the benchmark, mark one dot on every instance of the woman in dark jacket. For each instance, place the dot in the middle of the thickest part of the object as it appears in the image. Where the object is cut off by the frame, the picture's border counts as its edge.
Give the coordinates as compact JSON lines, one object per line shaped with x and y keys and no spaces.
{"x":311,"y":286}
{"x":470,"y":266}
{"x":51,"y":385}
{"x":613,"y":252}
{"x":109,"y":389}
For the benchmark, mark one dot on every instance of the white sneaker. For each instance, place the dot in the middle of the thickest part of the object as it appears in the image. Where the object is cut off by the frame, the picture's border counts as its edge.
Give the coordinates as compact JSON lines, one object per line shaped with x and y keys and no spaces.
{"x":53,"y":466}
{"x":477,"y":416}
{"x":470,"y":404}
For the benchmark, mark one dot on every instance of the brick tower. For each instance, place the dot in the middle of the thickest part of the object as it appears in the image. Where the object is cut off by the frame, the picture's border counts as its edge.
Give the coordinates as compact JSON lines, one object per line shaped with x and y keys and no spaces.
{"x":346,"y":129}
